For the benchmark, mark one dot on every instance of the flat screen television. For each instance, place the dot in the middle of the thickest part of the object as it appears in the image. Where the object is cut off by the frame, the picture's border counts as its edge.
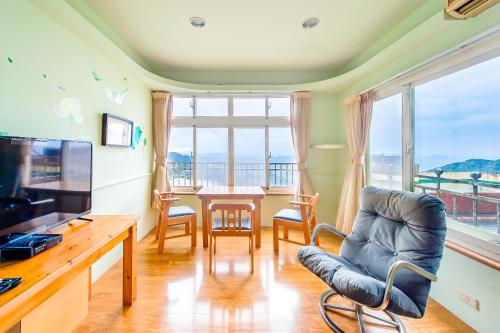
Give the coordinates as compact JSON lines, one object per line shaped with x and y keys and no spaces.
{"x":43,"y":183}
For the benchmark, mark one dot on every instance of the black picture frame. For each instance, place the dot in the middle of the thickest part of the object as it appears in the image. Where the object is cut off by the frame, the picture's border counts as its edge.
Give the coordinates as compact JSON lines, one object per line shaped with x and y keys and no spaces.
{"x":111,"y":135}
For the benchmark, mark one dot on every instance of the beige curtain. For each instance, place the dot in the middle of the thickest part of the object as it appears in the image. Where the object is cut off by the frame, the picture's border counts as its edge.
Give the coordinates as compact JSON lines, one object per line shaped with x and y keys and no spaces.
{"x":162,"y":121}
{"x":300,"y":123}
{"x":358,"y":119}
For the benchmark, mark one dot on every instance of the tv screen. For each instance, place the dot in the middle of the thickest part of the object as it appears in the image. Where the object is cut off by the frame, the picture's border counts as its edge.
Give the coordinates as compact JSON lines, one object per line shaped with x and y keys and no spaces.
{"x":43,"y":183}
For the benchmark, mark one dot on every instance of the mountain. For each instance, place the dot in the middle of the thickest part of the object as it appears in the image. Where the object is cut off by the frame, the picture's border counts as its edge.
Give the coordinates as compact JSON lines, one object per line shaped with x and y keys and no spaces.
{"x":176,"y":157}
{"x":473,"y":165}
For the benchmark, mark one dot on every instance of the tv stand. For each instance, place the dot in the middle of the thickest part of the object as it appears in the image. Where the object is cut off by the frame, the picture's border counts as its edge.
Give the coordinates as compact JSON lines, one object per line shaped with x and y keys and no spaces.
{"x":47,"y":277}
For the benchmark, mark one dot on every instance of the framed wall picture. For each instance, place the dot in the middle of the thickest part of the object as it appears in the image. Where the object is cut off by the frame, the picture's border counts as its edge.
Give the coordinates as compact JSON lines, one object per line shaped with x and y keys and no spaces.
{"x":116,"y":131}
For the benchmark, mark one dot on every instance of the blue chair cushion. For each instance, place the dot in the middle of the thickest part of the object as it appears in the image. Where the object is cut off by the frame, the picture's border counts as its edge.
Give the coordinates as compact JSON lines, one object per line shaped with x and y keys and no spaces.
{"x":354,"y":281}
{"x":289,"y":214}
{"x":245,"y":223}
{"x":176,"y":211}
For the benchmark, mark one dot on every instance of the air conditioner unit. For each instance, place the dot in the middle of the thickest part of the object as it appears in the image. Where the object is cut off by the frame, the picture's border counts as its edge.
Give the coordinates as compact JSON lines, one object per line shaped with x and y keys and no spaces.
{"x":463,"y":9}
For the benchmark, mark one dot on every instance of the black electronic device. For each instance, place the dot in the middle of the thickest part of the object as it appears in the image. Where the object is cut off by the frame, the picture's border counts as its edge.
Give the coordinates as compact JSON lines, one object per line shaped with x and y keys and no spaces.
{"x":18,"y":246}
{"x":7,"y":284}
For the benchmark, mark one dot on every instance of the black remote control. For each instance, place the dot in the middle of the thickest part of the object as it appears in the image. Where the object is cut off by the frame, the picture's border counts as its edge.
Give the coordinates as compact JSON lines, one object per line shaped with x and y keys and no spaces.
{"x":8,"y":283}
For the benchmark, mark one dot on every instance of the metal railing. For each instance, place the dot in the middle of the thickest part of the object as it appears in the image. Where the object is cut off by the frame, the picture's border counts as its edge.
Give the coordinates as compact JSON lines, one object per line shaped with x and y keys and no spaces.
{"x":487,"y":217}
{"x":246,"y":174}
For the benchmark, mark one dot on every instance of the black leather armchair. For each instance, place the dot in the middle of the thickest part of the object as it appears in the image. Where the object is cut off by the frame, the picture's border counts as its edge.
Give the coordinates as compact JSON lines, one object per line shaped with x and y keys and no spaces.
{"x":388,"y":260}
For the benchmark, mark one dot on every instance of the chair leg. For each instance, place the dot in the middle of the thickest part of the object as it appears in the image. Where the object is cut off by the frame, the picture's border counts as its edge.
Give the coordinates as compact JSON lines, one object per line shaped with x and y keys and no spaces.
{"x":158,"y":223}
{"x":307,"y":234}
{"x":187,"y":228}
{"x":251,"y":253}
{"x":313,"y":225}
{"x":215,"y":244}
{"x":249,"y":245}
{"x":193,"y":231}
{"x":285,"y":232}
{"x":359,"y":315}
{"x":161,"y":238}
{"x":275,"y":236}
{"x":210,"y":256}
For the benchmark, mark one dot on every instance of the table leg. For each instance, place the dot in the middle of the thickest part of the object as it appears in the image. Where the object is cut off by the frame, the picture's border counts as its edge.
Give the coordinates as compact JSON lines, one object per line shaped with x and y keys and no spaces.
{"x":130,"y":266}
{"x":257,"y":222}
{"x":204,"y":207}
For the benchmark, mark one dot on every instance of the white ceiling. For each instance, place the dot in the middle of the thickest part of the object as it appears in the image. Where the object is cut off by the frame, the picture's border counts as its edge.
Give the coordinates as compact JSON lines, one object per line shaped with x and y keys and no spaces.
{"x":246,"y":34}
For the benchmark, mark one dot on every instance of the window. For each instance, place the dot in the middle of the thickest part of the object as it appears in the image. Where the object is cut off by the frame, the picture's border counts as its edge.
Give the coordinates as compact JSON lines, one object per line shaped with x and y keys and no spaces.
{"x":211,"y":106}
{"x":249,"y":156}
{"x":457,"y":151}
{"x":385,"y":168}
{"x":231,"y":140}
{"x":441,"y":123}
{"x":180,"y":157}
{"x":244,"y":107}
{"x":279,"y":107}
{"x":211,"y":156}
{"x":281,"y":157}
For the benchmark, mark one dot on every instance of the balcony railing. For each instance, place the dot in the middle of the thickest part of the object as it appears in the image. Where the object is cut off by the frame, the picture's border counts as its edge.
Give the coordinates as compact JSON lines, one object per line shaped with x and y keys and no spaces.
{"x":245,"y":174}
{"x":474,"y":202}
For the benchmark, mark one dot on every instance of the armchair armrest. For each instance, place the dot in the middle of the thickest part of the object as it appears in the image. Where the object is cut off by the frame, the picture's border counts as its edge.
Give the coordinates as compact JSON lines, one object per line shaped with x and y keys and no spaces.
{"x":391,"y":275}
{"x":327,"y":227}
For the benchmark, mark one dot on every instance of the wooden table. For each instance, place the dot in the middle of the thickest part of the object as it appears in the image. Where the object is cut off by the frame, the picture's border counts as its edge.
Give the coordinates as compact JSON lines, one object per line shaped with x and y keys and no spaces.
{"x":207,"y":194}
{"x":83,"y":244}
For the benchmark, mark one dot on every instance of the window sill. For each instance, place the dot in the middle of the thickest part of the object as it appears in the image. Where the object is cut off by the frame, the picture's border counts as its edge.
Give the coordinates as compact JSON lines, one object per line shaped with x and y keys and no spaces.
{"x":287,"y":191}
{"x":473,"y":244}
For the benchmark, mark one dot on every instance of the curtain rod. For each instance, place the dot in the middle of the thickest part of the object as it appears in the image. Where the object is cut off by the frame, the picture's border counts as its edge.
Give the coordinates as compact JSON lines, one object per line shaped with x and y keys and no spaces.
{"x":460,"y":47}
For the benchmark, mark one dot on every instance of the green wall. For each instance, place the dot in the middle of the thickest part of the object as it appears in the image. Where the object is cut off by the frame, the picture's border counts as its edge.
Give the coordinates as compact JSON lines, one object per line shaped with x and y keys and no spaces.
{"x":457,"y":272}
{"x":37,"y":45}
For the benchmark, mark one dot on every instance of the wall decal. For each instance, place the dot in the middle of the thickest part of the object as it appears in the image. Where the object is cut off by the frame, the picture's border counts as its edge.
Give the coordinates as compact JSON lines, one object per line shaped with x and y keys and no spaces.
{"x":4,"y":133}
{"x":136,"y":138}
{"x":9,"y":59}
{"x":69,"y":107}
{"x":44,"y":75}
{"x":117,"y":96}
{"x":95,"y":76}
{"x":61,"y":88}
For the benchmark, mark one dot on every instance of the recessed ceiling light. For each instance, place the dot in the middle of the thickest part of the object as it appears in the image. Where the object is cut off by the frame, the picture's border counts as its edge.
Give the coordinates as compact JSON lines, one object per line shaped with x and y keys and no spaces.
{"x":198,"y":22}
{"x":310,"y":23}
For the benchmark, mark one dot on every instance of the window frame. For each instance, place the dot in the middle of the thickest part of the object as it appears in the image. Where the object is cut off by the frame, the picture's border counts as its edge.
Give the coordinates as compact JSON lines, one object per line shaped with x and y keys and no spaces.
{"x":467,"y":54}
{"x":231,"y":122}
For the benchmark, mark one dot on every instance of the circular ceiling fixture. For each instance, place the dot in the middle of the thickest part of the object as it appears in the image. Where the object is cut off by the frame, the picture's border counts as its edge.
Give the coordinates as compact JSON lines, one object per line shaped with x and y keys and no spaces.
{"x":198,"y":22}
{"x":310,"y":23}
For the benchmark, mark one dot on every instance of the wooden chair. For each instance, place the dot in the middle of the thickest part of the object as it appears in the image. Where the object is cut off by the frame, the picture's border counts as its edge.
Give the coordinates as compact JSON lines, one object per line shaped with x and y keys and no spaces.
{"x":227,"y":220}
{"x":303,"y":219}
{"x":171,"y":216}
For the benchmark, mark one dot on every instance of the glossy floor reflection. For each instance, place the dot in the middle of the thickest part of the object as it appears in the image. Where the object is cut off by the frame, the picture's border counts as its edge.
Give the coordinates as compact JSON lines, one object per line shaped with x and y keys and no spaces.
{"x":176,"y":293}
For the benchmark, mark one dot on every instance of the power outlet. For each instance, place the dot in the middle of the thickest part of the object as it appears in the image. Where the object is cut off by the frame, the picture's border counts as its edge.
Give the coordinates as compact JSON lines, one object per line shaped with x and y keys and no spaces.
{"x":469,"y":300}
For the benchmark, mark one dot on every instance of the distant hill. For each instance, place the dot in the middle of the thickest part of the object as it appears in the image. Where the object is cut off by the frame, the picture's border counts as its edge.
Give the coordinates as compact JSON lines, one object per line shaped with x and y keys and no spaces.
{"x":473,"y":165}
{"x":176,"y":157}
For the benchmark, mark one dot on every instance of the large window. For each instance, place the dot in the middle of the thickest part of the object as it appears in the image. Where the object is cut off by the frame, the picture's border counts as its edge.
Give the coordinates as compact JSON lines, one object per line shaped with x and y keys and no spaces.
{"x":231,"y":140}
{"x":385,"y":168}
{"x":439,"y":133}
{"x":457,"y":143}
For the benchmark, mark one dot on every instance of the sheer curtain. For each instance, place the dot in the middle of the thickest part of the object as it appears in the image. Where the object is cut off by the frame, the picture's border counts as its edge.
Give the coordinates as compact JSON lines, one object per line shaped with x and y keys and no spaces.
{"x":162,"y":121}
{"x":358,"y":119}
{"x":300,"y":113}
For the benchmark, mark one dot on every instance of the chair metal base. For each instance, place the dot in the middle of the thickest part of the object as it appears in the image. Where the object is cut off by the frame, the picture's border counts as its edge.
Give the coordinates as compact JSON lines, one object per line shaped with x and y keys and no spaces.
{"x":394,"y":320}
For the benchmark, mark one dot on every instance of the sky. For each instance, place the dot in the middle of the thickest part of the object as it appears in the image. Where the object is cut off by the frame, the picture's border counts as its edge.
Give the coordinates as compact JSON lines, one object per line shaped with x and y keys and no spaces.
{"x":456,"y":116}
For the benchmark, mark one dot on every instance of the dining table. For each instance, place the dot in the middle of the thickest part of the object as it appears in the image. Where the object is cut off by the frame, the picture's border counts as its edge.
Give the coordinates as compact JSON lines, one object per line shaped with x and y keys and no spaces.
{"x":207,"y":194}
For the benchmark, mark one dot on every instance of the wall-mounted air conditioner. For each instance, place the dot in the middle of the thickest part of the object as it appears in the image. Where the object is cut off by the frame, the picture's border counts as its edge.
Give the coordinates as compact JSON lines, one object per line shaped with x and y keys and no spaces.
{"x":462,"y":9}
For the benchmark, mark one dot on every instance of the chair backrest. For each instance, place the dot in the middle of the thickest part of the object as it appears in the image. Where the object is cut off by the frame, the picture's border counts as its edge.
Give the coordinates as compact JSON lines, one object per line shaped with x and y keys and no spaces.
{"x":230,"y":219}
{"x":394,"y":225}
{"x":309,"y":212}
{"x":163,"y":205}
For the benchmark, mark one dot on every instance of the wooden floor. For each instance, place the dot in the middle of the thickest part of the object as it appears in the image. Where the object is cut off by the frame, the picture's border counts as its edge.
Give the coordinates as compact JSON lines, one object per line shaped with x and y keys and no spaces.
{"x":176,"y":293}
